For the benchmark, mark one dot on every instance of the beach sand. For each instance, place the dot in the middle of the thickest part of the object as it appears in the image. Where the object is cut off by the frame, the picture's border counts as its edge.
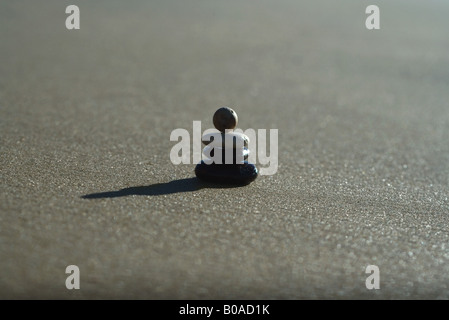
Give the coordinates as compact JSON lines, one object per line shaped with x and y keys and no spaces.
{"x":363,"y":175}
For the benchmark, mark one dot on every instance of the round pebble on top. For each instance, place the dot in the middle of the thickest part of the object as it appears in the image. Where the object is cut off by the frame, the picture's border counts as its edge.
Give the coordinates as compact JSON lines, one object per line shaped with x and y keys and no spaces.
{"x":225,"y":118}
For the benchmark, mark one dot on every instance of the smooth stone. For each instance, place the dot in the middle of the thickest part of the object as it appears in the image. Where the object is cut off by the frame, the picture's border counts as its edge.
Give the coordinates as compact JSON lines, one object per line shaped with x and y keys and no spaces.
{"x":225,"y":118}
{"x":240,"y":174}
{"x":240,"y":154}
{"x":219,"y":139}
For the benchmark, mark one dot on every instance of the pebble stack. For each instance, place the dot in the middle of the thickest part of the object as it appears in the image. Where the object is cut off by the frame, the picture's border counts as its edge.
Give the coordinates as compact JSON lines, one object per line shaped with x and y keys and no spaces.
{"x":226,"y":152}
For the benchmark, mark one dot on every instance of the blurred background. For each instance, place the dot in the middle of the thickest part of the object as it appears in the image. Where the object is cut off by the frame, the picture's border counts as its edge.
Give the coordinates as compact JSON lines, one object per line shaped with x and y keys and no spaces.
{"x":363,"y":155}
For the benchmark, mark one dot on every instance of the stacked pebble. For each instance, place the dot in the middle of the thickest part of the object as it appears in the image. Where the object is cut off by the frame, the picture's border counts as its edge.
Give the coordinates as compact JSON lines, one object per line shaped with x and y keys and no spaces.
{"x":230,"y":164}
{"x":231,"y":147}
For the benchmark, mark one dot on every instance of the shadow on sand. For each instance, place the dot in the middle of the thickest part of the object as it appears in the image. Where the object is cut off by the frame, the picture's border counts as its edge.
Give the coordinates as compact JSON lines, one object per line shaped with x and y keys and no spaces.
{"x":157,"y":189}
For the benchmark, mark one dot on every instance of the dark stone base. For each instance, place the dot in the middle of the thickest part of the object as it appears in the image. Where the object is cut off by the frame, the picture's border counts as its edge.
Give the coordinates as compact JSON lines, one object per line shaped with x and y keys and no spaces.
{"x":227,"y":173}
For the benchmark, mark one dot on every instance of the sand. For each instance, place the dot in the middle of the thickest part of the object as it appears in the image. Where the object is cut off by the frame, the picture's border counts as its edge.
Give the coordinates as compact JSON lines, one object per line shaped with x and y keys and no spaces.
{"x":363,"y":175}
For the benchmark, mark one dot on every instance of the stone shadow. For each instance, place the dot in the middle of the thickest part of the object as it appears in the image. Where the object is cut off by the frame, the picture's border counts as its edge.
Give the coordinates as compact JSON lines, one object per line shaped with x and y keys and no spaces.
{"x":158,"y":189}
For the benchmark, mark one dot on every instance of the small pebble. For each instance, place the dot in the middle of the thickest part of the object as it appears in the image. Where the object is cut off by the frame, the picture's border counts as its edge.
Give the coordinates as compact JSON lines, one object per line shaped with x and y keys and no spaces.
{"x":238,"y":155}
{"x":225,"y":118}
{"x":238,"y":174}
{"x":220,"y":139}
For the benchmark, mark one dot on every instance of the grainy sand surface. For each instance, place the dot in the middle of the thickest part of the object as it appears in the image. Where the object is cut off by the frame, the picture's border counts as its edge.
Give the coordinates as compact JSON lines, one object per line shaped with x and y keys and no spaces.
{"x":363,"y":175}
